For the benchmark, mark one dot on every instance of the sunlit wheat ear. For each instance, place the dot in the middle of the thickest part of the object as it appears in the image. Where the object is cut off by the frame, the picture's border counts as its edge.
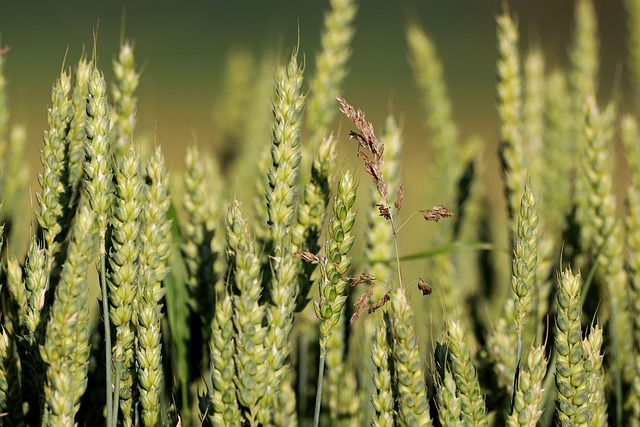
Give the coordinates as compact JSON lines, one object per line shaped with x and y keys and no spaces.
{"x":442,"y":131}
{"x":202,"y":186}
{"x":98,"y":181}
{"x":224,"y":405}
{"x":556,"y":184}
{"x":67,"y":345}
{"x":333,"y":281}
{"x":52,"y":200}
{"x":593,"y":355}
{"x":583,"y":54}
{"x":281,"y":196}
{"x":123,"y":272}
{"x":526,"y":258}
{"x":311,"y":215}
{"x":10,"y":400}
{"x":632,"y":231}
{"x":155,"y":250}
{"x":77,"y":134}
{"x":602,"y":236}
{"x":243,"y":283}
{"x":331,"y":67}
{"x":509,"y":88}
{"x":530,"y":392}
{"x":382,"y":398}
{"x":472,"y":404}
{"x":410,"y":383}
{"x":572,"y":399}
{"x":4,"y":116}
{"x":631,"y":140}
{"x":124,"y":100}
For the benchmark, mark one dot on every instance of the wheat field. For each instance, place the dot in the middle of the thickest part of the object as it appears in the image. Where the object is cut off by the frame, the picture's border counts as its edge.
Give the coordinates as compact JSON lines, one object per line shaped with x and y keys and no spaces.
{"x":272,"y":284}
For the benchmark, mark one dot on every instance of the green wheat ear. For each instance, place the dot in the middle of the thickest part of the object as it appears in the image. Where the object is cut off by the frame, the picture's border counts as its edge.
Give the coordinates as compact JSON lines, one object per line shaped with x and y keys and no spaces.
{"x":512,"y":150}
{"x":243,"y":284}
{"x":572,"y":400}
{"x":410,"y":385}
{"x":123,"y":272}
{"x":281,"y":196}
{"x":67,"y":346}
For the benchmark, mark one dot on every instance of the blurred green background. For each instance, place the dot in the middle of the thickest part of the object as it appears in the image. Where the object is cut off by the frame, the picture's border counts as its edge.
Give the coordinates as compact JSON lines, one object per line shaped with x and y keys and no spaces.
{"x":182,"y":48}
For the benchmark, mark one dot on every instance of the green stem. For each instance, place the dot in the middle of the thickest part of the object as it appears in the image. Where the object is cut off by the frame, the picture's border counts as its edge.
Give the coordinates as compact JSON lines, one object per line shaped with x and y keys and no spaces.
{"x":316,"y":413}
{"x":406,"y":221}
{"x":549,"y":388}
{"x":517,"y":373}
{"x":116,"y":400}
{"x":395,"y":242}
{"x":107,"y":330}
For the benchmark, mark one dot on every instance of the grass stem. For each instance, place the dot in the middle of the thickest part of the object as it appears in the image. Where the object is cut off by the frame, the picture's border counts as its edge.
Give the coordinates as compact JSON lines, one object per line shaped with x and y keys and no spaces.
{"x":316,"y":412}
{"x":107,"y":330}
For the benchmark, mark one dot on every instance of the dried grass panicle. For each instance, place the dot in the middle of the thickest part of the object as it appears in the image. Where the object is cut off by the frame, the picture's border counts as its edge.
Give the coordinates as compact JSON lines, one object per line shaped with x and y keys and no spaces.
{"x":472,"y":404}
{"x":124,"y":101}
{"x":244,"y":286}
{"x":412,"y":403}
{"x":333,"y":283}
{"x":509,"y":88}
{"x":311,"y":214}
{"x":378,"y":239}
{"x":331,"y":66}
{"x":122,"y":272}
{"x":52,"y":199}
{"x":367,"y":143}
{"x":572,"y":382}
{"x":66,"y":347}
{"x":202,"y":187}
{"x":527,"y":408}
{"x":224,"y":408}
